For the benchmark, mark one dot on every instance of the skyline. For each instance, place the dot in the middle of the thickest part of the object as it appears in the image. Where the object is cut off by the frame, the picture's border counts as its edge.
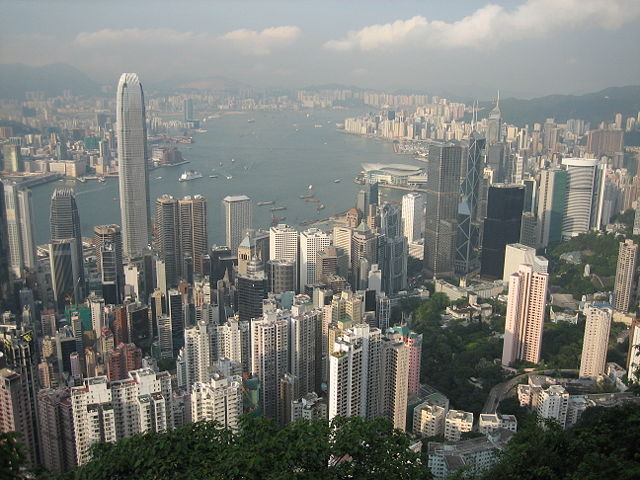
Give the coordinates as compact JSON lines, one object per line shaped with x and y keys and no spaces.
{"x":484,"y":46}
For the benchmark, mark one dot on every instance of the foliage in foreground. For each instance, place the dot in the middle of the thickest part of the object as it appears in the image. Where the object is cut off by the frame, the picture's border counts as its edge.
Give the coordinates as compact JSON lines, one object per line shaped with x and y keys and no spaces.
{"x":604,"y":444}
{"x":261,"y":450}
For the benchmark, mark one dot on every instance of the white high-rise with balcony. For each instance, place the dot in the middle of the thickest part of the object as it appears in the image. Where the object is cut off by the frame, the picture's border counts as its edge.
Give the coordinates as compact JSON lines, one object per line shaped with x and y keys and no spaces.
{"x":218,"y":400}
{"x":133,"y":170}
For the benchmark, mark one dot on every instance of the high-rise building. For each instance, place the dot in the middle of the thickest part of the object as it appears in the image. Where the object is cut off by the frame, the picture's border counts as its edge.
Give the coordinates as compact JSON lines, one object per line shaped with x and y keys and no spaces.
{"x":16,"y":410}
{"x":625,"y":276}
{"x":442,"y":199}
{"x":55,"y":420}
{"x":413,"y":216}
{"x":20,"y":229}
{"x":282,"y":275}
{"x":552,"y":201}
{"x":187,"y":109}
{"x":109,"y":261}
{"x":394,"y":375}
{"x":270,"y":359}
{"x":469,"y":222}
{"x":633,"y":356}
{"x":283,"y":243}
{"x":6,"y":296}
{"x":217,"y":400}
{"x":501,"y":227}
{"x":194,"y":360}
{"x":237,"y":219}
{"x":585,"y":195}
{"x":413,"y":341}
{"x":428,"y":420}
{"x":255,"y":244}
{"x":456,"y":423}
{"x":395,"y":250}
{"x":494,"y":124}
{"x":365,"y":252}
{"x":12,"y":158}
{"x":312,"y":242}
{"x":525,"y":315}
{"x":306,"y":351}
{"x":167,"y":240}
{"x":516,"y":254}
{"x":133,"y":168}
{"x":252,"y":288}
{"x":593,"y":360}
{"x":64,"y":222}
{"x":194,"y":242}
{"x":65,"y":273}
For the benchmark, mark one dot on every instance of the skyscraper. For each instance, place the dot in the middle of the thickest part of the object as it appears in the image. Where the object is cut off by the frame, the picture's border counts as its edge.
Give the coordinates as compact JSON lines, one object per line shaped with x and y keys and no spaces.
{"x":16,"y":410}
{"x":64,"y":222}
{"x":252,"y":289}
{"x":108,"y":251}
{"x":412,"y":216}
{"x":525,"y":315}
{"x":306,"y":351}
{"x":65,"y":273}
{"x":282,"y":275}
{"x":6,"y":296}
{"x":312,"y":242}
{"x":593,"y":360}
{"x":166,"y":238}
{"x":468,"y":227}
{"x":20,"y":229}
{"x":625,"y":276}
{"x":552,"y":200}
{"x":283,"y":244}
{"x":585,"y":196}
{"x":395,"y":250}
{"x":442,"y":199}
{"x":237,"y":219}
{"x":494,"y":124}
{"x":193,"y":230}
{"x":365,"y":251}
{"x":55,"y":421}
{"x":217,"y":400}
{"x":501,"y":227}
{"x":133,"y":169}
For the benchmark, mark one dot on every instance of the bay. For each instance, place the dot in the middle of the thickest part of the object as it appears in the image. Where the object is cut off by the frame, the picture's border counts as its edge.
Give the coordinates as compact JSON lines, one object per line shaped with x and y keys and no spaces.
{"x":275,"y":158}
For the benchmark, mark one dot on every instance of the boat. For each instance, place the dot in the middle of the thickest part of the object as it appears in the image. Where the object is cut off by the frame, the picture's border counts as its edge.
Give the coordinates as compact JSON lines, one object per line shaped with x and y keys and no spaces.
{"x":233,"y":160}
{"x":311,"y":200}
{"x":200,"y":130}
{"x":101,"y":179}
{"x":189,"y":175}
{"x":229,"y":177}
{"x":277,"y":209}
{"x":270,"y":202}
{"x":317,"y":125}
{"x":310,"y":187}
{"x":337,"y":180}
{"x":306,"y":195}
{"x":213,"y":176}
{"x":251,"y":120}
{"x":158,"y":178}
{"x":320,"y":207}
{"x":276,"y":220}
{"x":220,"y":163}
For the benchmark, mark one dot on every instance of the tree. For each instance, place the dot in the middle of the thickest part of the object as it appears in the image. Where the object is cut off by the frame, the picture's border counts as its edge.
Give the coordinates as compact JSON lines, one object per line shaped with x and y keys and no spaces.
{"x":12,"y":457}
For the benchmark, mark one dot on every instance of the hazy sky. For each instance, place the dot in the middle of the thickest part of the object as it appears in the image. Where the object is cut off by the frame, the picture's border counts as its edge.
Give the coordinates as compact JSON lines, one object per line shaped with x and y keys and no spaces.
{"x":522,"y":46}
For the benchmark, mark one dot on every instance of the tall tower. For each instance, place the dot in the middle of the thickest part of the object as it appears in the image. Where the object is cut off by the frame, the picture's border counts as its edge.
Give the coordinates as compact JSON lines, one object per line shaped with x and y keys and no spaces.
{"x":167,"y":239}
{"x":306,"y":351}
{"x":64,"y":222}
{"x":312,"y":242}
{"x":551,"y":206}
{"x":593,"y":361}
{"x":394,"y":258}
{"x":585,"y":196}
{"x":442,"y":199}
{"x":625,"y":276}
{"x":65,"y":273}
{"x":412,"y":216}
{"x":365,"y":251}
{"x":237,"y":219}
{"x":283,"y":245}
{"x":132,"y":160}
{"x":108,"y":248}
{"x":525,"y":315}
{"x":252,"y":289}
{"x":494,"y":124}
{"x":19,"y":213}
{"x":468,"y":233}
{"x":6,"y":300}
{"x":193,"y":230}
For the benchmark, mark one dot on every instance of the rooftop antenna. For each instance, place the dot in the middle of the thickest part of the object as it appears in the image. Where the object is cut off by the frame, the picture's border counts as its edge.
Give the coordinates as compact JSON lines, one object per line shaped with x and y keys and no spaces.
{"x":498,"y":99}
{"x":474,"y":115}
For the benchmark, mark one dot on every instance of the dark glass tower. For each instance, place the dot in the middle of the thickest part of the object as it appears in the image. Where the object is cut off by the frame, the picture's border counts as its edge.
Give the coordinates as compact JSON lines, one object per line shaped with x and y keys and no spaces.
{"x":252,"y":289}
{"x":64,"y":222}
{"x":501,"y":227}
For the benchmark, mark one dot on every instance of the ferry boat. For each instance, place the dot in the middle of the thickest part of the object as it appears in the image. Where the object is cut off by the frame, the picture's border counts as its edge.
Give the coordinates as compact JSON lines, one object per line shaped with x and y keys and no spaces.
{"x":320,"y":207}
{"x":310,"y":187}
{"x":213,"y":176}
{"x":306,"y":195}
{"x":158,"y":178}
{"x":317,"y":125}
{"x":311,"y":200}
{"x":277,"y":209}
{"x":189,"y":175}
{"x":337,"y":180}
{"x":270,"y":202}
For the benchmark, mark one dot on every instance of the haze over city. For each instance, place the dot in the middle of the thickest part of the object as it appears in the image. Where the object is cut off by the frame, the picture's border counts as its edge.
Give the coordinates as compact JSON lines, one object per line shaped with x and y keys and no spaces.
{"x":524,"y":48}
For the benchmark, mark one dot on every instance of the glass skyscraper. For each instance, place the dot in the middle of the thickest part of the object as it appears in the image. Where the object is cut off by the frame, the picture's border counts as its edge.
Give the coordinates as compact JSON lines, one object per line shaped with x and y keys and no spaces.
{"x":133,"y":171}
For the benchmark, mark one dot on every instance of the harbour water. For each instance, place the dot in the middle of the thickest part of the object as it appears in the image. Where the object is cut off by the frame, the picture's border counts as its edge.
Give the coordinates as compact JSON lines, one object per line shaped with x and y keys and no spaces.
{"x":276,"y":158}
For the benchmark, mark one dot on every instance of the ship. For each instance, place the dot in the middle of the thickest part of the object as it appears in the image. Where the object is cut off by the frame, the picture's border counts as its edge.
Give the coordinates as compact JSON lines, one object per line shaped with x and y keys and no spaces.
{"x":213,"y":176}
{"x":251,"y":120}
{"x":233,"y":160}
{"x":270,"y":202}
{"x":311,"y":200}
{"x":310,"y":187}
{"x":277,"y":209}
{"x":320,"y":207}
{"x":229,"y":177}
{"x":317,"y":125}
{"x":277,"y":220}
{"x":337,"y":180}
{"x":306,"y":195}
{"x":189,"y":175}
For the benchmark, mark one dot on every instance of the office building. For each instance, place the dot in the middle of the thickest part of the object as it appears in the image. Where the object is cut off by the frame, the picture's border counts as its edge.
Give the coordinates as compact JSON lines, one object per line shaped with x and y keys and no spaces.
{"x":312,"y":242}
{"x":441,"y":200}
{"x":109,"y":261}
{"x":12,"y":158}
{"x":394,"y":250}
{"x":283,"y":245}
{"x":217,"y":400}
{"x":305,"y":336}
{"x":517,"y":254}
{"x":65,"y":273}
{"x":593,"y":361}
{"x":18,"y":212}
{"x":412,"y":216}
{"x":6,"y":295}
{"x":428,"y":420}
{"x":64,"y":223}
{"x":282,"y":275}
{"x":585,"y":196}
{"x":133,"y":178}
{"x":501,"y":227}
{"x":194,"y":241}
{"x":365,"y":251}
{"x":167,"y":241}
{"x":457,"y":422}
{"x":252,"y":288}
{"x":625,"y":276}
{"x":55,"y":420}
{"x":525,"y":315}
{"x":255,"y":244}
{"x":494,"y":124}
{"x":469,"y":222}
{"x":238,"y":218}
{"x":270,"y":358}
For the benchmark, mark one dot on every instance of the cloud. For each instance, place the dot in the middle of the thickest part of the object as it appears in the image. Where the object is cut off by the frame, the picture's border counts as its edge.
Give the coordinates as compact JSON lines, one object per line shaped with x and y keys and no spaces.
{"x":492,"y":25}
{"x":252,"y":42}
{"x":249,"y":42}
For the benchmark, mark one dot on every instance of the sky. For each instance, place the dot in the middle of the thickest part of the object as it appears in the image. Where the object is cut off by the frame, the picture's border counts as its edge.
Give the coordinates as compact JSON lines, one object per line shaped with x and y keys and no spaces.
{"x":521,"y":47}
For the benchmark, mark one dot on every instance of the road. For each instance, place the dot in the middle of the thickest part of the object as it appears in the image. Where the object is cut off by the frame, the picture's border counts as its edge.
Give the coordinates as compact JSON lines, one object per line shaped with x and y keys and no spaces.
{"x":499,"y":392}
